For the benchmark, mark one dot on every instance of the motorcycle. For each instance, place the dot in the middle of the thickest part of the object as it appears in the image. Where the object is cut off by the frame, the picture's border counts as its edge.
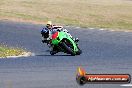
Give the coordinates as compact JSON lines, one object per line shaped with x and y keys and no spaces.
{"x":62,"y":42}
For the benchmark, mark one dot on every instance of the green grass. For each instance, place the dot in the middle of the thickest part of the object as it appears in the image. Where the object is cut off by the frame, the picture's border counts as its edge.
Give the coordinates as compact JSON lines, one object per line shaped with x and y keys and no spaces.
{"x":115,"y":14}
{"x":6,"y":51}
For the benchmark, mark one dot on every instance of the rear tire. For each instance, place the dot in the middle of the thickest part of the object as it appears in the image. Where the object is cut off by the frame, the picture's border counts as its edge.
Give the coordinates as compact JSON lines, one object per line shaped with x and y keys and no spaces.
{"x":52,"y":53}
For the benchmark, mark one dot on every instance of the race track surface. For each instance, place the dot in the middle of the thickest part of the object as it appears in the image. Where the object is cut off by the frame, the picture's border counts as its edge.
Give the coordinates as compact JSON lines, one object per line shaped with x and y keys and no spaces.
{"x":103,"y":52}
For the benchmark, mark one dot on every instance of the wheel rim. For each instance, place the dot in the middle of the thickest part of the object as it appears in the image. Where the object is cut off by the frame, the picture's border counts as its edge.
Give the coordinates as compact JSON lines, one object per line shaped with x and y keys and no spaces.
{"x":69,"y":45}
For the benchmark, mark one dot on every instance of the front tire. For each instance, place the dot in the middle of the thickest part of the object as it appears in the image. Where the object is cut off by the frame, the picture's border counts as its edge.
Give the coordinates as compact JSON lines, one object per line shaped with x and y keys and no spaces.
{"x":68,"y":49}
{"x":79,"y":51}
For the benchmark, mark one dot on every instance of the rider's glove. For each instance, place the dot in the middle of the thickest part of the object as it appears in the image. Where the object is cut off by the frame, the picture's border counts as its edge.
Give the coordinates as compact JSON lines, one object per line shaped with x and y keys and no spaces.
{"x":65,"y":30}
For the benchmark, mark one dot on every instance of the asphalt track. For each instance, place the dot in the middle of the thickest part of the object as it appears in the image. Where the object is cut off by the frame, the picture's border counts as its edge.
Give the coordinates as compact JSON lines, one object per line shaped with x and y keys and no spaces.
{"x":103,"y":52}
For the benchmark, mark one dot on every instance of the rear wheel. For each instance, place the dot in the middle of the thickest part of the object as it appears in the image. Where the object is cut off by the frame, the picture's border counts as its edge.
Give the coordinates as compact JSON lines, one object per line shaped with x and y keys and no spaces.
{"x":54,"y":51}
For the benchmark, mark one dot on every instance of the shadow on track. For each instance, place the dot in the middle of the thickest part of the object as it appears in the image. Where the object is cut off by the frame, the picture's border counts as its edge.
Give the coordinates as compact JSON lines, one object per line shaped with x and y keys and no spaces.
{"x":51,"y":55}
{"x":44,"y":54}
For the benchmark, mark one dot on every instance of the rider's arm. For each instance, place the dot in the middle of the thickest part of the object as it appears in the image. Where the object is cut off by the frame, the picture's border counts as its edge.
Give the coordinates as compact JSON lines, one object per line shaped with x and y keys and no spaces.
{"x":65,"y":30}
{"x":58,"y":28}
{"x":45,"y":35}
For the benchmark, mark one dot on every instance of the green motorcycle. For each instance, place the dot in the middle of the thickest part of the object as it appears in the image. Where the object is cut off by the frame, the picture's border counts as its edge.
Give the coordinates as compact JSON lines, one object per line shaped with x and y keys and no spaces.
{"x":62,"y":42}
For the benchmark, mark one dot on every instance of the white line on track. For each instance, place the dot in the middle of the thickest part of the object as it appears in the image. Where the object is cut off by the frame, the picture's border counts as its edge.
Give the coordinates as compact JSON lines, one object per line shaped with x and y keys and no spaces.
{"x":91,"y":28}
{"x":127,"y":85}
{"x":126,"y":31}
{"x":77,"y":27}
{"x":112,"y":30}
{"x":101,"y":29}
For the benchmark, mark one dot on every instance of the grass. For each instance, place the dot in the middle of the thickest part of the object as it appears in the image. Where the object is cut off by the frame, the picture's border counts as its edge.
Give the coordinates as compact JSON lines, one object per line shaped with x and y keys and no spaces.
{"x":115,"y":14}
{"x":6,"y":51}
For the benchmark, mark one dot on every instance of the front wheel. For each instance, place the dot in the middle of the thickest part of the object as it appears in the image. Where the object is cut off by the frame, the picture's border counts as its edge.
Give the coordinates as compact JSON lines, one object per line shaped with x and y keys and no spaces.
{"x":79,"y":51}
{"x":67,"y":48}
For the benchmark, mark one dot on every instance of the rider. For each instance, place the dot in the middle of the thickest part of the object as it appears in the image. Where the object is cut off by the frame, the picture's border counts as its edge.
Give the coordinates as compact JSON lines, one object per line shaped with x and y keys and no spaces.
{"x":47,"y":33}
